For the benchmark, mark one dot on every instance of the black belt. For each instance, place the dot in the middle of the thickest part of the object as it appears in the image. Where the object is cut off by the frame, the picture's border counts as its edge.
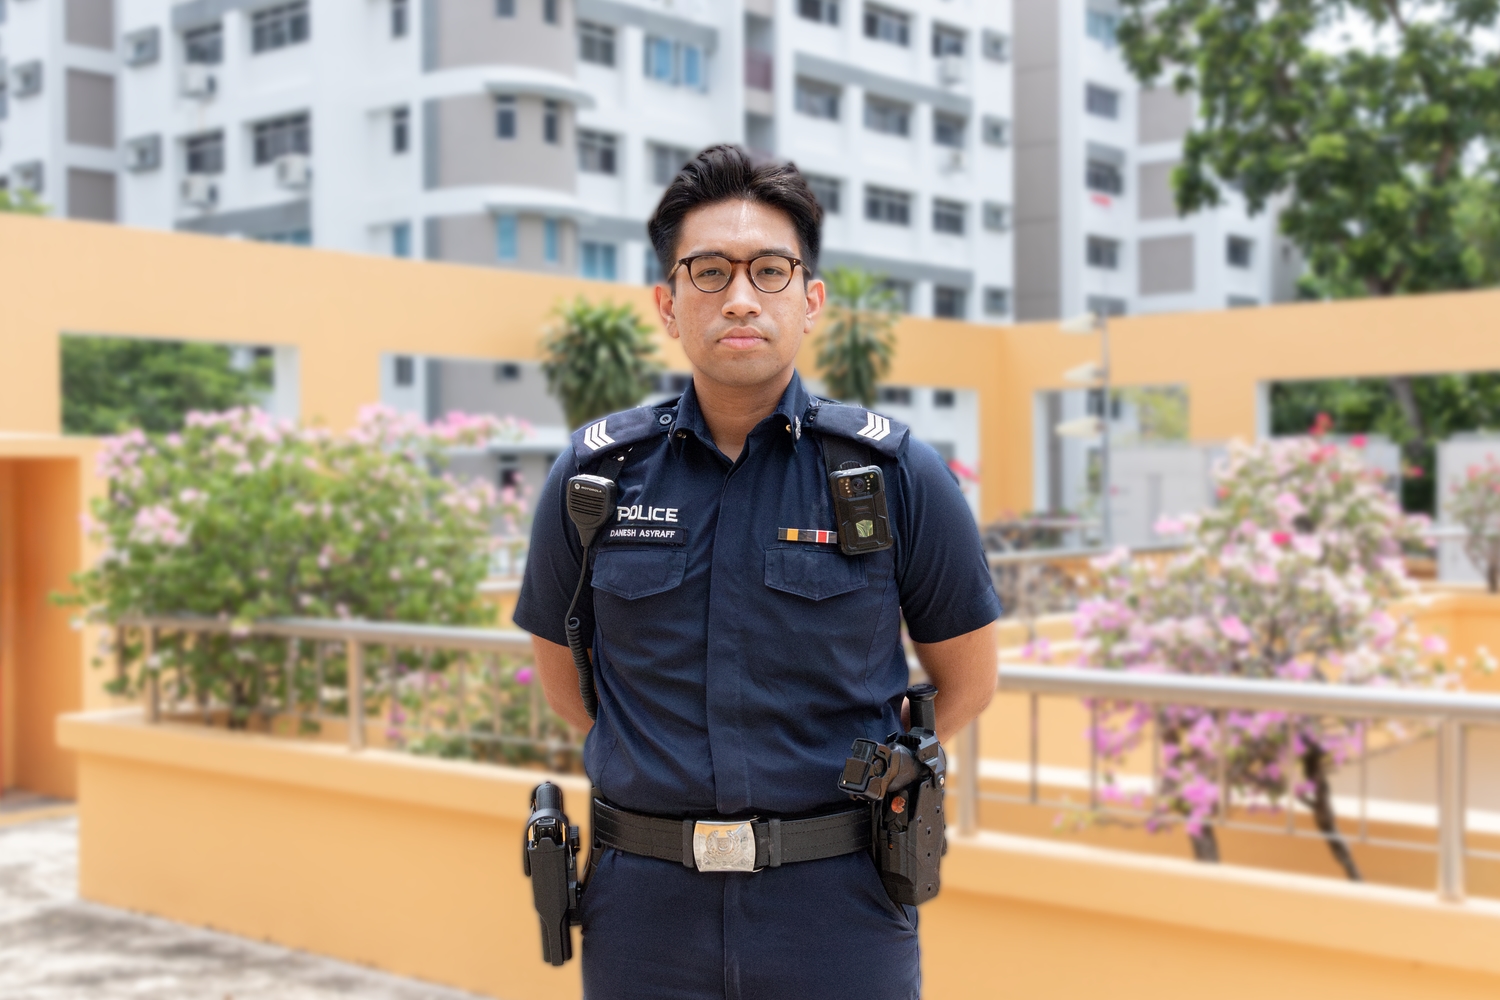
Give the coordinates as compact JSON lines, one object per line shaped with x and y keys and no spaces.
{"x":735,"y":844}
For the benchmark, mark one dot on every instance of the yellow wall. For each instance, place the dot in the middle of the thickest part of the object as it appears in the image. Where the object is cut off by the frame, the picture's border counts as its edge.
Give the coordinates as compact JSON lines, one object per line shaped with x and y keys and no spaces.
{"x":411,"y":865}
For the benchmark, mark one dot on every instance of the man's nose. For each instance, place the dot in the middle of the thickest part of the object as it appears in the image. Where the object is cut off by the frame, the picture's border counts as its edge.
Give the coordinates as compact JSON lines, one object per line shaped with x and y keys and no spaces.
{"x":741,"y":298}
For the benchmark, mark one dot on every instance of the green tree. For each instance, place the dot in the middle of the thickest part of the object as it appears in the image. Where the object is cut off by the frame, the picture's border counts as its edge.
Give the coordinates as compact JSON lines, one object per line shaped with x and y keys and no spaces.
{"x":858,"y":339}
{"x":1383,"y":154}
{"x":598,"y":359}
{"x":111,"y":384}
{"x":21,"y":202}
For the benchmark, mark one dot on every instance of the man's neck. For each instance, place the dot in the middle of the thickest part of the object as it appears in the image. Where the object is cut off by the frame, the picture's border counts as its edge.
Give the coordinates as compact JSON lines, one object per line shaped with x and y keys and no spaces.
{"x":732,"y":411}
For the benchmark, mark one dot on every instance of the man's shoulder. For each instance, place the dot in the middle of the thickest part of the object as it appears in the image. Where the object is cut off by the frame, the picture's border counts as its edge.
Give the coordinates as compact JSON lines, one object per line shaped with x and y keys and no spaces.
{"x":876,"y":431}
{"x":621,"y":430}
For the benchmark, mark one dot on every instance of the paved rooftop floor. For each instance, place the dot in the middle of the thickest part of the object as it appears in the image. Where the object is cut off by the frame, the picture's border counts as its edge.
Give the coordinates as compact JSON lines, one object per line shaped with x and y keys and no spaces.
{"x":54,"y":946}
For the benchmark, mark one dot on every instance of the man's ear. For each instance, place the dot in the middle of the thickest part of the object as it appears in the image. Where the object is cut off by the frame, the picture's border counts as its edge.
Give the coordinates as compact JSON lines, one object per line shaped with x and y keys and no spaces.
{"x":666,"y":307}
{"x":817,"y":296}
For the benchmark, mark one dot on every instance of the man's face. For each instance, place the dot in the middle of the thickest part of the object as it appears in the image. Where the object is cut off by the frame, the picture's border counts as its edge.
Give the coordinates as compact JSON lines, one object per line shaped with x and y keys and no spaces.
{"x":740,"y":336}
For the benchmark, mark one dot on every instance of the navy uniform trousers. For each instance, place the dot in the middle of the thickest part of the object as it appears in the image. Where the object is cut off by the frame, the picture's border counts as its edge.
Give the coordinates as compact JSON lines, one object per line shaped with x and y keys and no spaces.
{"x":735,"y":664}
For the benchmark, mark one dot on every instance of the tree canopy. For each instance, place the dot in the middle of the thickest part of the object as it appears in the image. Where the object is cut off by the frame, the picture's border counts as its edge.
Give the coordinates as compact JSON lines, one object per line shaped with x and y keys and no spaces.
{"x":857,"y":340}
{"x":598,"y":359}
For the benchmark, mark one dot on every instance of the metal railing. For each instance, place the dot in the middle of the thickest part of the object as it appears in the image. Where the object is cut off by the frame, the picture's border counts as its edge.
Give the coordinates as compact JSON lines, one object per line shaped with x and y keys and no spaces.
{"x":365,"y":673}
{"x":1450,"y":713}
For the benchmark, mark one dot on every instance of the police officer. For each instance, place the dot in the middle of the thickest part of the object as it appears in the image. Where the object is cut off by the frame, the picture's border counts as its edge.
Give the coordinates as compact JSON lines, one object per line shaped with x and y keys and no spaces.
{"x":737,"y":651}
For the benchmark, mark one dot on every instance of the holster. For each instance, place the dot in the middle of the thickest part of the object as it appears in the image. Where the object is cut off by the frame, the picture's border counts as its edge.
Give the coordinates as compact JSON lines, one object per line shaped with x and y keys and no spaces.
{"x":550,"y":859}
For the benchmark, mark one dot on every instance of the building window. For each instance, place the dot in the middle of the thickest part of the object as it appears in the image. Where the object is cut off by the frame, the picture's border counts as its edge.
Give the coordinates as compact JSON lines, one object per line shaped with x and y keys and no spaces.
{"x":692,"y":66}
{"x":596,"y":152}
{"x":1105,"y":177}
{"x":1104,"y":253}
{"x":822,"y":11}
{"x":506,"y":240}
{"x":890,"y":117}
{"x":949,"y":303}
{"x":505,"y":117}
{"x":885,"y":205}
{"x":947,"y":41}
{"x":507,"y":371}
{"x":551,"y":243}
{"x":204,"y":154}
{"x":400,"y":131}
{"x":674,"y":63}
{"x":1103,"y":305}
{"x":818,"y":100}
{"x":893,"y":395}
{"x":1238,"y":251}
{"x":948,"y":217}
{"x":665,"y":162}
{"x":899,"y":290}
{"x":280,"y":136}
{"x":653,"y":273}
{"x":826,"y":190}
{"x":944,"y":399}
{"x":549,"y":11}
{"x":1101,"y":25}
{"x":278,"y":27}
{"x":996,"y":303}
{"x":1242,"y":302}
{"x":599,"y":261}
{"x":886,"y":25}
{"x":659,"y":63}
{"x":1101,"y":101}
{"x":401,"y":239}
{"x":551,"y":112}
{"x":204,"y":46}
{"x":406,"y":371}
{"x":287,"y":237}
{"x":400,"y":18}
{"x":505,"y":8}
{"x":996,"y":131}
{"x":996,"y":217}
{"x":948,"y":130}
{"x":596,"y":43}
{"x":995,"y":46}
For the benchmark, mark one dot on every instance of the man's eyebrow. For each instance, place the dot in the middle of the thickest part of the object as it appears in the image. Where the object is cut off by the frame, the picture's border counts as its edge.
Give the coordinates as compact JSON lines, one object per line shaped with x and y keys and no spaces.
{"x":763,"y":251}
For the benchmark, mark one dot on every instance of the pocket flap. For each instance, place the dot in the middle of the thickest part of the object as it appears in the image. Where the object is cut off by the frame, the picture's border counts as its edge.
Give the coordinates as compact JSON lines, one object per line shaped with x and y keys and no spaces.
{"x":636,"y":573}
{"x":814,"y":572}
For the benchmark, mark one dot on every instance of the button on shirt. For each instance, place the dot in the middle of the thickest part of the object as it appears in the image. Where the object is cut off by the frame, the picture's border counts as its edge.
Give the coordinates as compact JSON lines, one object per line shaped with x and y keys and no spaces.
{"x":734,"y":669}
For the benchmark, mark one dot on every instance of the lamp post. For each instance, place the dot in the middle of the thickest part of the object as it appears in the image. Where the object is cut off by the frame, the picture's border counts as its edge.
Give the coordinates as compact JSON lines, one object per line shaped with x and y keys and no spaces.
{"x":1091,"y":322}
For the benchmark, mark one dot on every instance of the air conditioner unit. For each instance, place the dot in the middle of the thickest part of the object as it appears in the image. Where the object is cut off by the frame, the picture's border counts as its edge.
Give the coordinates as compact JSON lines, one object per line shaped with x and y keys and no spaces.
{"x":143,"y":153}
{"x":26,"y":79}
{"x":199,"y":80}
{"x":955,"y":161}
{"x":951,"y":69}
{"x":27,"y":176}
{"x":200,"y":190}
{"x":143,"y":47}
{"x":293,"y":170}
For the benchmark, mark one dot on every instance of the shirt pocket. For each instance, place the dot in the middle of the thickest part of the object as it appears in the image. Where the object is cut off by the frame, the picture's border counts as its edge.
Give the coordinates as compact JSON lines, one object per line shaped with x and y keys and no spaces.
{"x":636,"y":573}
{"x":816,"y":574}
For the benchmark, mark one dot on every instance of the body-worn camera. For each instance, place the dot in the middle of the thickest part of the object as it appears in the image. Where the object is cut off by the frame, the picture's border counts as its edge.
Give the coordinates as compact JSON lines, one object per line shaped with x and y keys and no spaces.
{"x":905,"y":775}
{"x":550,"y":858}
{"x":859,"y":507}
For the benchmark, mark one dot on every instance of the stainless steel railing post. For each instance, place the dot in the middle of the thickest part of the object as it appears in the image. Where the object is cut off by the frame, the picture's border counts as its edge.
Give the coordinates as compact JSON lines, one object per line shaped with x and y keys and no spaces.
{"x":356,"y":693}
{"x":153,"y":681}
{"x":1451,"y":810}
{"x":968,"y":780}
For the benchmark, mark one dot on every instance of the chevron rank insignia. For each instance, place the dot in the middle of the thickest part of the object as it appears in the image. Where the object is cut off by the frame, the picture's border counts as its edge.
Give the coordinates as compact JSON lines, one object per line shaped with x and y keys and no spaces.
{"x":876,"y":431}
{"x":596,"y":436}
{"x":877,"y":428}
{"x":815,"y":535}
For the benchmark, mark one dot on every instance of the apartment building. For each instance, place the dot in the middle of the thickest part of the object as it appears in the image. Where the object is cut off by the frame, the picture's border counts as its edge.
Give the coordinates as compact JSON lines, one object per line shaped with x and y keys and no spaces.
{"x":534,"y":134}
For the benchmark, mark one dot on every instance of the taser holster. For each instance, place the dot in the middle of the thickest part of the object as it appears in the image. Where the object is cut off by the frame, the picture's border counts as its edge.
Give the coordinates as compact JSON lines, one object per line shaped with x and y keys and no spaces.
{"x":550,"y":860}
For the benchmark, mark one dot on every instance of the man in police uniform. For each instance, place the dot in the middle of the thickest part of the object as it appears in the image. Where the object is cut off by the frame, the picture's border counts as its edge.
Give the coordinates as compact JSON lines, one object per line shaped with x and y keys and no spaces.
{"x":737,"y":651}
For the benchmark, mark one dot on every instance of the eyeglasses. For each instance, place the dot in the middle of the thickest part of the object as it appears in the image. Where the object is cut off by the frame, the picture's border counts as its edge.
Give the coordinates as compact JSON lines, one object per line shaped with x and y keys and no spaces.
{"x":711,"y":272}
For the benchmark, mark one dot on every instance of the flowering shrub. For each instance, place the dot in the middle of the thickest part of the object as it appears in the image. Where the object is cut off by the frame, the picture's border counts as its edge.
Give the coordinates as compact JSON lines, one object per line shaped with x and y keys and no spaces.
{"x":242,"y":517}
{"x":1292,"y":576}
{"x":1476,"y":506}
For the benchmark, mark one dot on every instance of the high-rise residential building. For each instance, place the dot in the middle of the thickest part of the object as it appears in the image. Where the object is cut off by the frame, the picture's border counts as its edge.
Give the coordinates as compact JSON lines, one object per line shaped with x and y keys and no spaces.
{"x":1096,"y":221}
{"x":534,"y":134}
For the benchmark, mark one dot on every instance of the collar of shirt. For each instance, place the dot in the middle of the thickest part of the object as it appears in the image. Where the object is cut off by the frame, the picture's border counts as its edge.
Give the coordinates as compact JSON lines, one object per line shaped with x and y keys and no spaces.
{"x":786,"y":419}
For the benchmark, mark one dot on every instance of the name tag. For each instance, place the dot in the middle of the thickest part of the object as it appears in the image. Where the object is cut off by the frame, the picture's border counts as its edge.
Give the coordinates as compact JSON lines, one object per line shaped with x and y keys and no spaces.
{"x":653,"y":535}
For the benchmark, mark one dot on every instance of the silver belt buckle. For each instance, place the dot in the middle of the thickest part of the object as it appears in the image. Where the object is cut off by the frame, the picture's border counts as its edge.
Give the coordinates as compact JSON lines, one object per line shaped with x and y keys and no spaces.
{"x":724,"y":847}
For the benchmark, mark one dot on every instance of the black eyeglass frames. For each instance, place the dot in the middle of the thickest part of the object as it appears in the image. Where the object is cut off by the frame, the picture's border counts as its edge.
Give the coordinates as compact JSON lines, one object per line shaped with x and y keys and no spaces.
{"x":712,"y":272}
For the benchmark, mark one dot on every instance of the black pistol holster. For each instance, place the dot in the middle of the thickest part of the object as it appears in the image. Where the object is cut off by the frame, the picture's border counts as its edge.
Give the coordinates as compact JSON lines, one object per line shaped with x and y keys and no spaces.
{"x":904,"y":778}
{"x":550,"y":859}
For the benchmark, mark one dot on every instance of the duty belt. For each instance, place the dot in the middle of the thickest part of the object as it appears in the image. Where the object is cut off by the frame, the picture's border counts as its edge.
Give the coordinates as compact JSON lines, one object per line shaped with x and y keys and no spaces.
{"x":732,"y":845}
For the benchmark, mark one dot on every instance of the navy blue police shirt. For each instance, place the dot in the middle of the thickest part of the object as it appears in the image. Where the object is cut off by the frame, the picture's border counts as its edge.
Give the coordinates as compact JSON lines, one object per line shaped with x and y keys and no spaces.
{"x":733,"y":668}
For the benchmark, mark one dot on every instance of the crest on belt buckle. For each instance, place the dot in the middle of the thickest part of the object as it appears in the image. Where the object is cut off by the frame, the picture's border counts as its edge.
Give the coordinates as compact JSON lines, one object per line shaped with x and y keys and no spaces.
{"x":724,"y":847}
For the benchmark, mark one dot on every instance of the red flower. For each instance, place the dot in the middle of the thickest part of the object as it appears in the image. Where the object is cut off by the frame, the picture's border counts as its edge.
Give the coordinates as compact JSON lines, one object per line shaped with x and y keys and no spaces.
{"x":1281,"y":538}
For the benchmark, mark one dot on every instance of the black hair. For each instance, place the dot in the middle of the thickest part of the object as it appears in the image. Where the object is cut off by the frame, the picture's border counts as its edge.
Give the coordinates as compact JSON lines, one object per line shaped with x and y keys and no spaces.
{"x":727,"y":173}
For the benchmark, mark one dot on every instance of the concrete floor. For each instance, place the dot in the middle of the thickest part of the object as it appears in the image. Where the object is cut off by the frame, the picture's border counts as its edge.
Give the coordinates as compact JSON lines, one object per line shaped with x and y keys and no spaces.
{"x":55,"y":947}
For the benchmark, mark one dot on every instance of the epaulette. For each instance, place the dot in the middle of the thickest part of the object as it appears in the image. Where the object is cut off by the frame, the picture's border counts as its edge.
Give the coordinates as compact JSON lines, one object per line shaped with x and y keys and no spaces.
{"x":873,"y":430}
{"x":621,"y":430}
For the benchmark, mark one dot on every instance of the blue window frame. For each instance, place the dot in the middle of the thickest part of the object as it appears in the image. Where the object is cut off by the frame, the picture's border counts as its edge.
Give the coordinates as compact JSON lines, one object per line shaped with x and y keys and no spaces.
{"x":659,"y":59}
{"x":401,"y":239}
{"x":692,"y":67}
{"x":505,"y":237}
{"x":599,"y":261}
{"x":550,"y":244}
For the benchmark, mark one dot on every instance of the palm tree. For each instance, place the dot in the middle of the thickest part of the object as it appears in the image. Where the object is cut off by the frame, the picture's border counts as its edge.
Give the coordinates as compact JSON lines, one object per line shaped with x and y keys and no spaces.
{"x":598,"y":359}
{"x":855,"y":346}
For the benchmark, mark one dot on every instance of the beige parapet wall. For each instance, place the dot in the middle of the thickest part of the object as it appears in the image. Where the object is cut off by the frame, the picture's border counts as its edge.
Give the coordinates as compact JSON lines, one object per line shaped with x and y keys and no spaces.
{"x":413,"y":865}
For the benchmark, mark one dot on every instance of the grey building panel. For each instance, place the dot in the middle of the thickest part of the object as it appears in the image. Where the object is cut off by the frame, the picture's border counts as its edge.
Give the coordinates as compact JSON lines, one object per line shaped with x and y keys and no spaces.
{"x":431,"y":143}
{"x":92,"y":195}
{"x":486,"y":387}
{"x":1039,"y":271}
{"x":267,"y":221}
{"x":429,"y":35}
{"x":432,"y":238}
{"x":470,"y":154}
{"x":1165,"y":115}
{"x":620,"y":15}
{"x":472,"y":239}
{"x":467,"y":33}
{"x":1036,"y":27}
{"x":901,"y":270}
{"x":1166,"y":264}
{"x":1038,"y":160}
{"x":613,"y":230}
{"x":90,"y":23}
{"x":1156,"y":198}
{"x":91,"y":109}
{"x":1039,"y":116}
{"x":1038,"y":184}
{"x":886,"y":86}
{"x":198,"y":13}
